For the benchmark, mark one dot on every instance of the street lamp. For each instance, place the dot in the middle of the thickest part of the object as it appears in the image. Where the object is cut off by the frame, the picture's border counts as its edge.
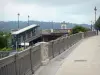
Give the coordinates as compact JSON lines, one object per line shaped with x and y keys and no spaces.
{"x":18,"y":20}
{"x":28,"y":20}
{"x":91,"y":25}
{"x":95,"y":9}
{"x":52,"y":27}
{"x":52,"y":24}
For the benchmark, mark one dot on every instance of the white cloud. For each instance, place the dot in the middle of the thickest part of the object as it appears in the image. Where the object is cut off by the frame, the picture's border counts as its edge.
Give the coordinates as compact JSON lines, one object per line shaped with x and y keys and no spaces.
{"x":36,"y":12}
{"x":77,"y":11}
{"x":52,"y":2}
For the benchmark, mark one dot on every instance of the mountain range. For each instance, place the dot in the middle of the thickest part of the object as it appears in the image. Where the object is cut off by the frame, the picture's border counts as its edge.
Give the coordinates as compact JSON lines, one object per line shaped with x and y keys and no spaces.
{"x":9,"y":25}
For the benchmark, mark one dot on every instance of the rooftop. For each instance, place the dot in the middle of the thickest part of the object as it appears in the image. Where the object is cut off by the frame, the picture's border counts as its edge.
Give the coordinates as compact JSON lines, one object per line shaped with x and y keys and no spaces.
{"x":24,"y":29}
{"x":59,"y":31}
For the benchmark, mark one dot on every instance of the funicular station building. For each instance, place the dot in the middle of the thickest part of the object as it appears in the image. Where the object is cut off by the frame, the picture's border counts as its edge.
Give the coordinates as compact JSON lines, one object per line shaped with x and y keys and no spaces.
{"x":25,"y":37}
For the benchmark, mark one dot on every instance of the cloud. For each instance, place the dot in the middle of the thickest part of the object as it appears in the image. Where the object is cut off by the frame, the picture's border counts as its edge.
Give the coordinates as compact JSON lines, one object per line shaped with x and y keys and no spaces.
{"x":78,"y":11}
{"x":36,"y":12}
{"x":53,"y":2}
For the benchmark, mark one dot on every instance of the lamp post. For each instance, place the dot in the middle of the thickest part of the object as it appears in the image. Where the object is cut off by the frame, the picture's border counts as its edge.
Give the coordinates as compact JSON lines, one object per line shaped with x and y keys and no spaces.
{"x":16,"y":45}
{"x":52,"y":24}
{"x":28,"y":20}
{"x":52,"y":27}
{"x":18,"y":20}
{"x":95,"y":9}
{"x":91,"y":25}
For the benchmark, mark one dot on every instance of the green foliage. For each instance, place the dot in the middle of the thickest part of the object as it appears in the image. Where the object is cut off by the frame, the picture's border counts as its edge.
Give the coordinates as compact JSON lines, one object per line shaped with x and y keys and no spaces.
{"x":6,"y":49}
{"x":97,"y":24}
{"x":4,"y":41}
{"x":70,"y":33}
{"x":20,"y":49}
{"x":78,"y":29}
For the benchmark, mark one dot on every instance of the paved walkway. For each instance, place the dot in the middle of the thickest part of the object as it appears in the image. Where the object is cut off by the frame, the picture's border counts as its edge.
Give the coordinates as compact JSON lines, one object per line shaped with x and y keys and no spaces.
{"x":83,"y":60}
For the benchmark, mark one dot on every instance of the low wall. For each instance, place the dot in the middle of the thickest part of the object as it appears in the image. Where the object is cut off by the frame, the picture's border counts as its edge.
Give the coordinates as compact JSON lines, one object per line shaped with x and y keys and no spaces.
{"x":59,"y":45}
{"x":28,"y":61}
{"x":21,"y":63}
{"x":89,"y":34}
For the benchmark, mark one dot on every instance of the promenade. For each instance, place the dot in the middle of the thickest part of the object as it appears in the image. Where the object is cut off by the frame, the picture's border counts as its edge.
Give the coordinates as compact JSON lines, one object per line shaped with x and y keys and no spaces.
{"x":82,"y":59}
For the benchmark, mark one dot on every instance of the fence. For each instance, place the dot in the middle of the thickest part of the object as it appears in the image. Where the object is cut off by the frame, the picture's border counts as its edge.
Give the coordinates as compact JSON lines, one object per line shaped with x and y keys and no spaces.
{"x":28,"y":61}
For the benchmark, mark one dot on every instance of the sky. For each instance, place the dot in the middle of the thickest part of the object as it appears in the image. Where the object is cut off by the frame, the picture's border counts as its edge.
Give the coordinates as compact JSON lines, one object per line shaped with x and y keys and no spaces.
{"x":74,"y":11}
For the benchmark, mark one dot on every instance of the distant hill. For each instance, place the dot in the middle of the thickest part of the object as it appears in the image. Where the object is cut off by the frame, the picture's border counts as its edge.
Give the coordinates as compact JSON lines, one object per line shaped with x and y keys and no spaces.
{"x":7,"y":26}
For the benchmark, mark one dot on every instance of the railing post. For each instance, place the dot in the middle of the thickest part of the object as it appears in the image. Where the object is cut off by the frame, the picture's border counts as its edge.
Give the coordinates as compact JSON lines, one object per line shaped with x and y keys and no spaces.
{"x":31,"y":60}
{"x":52,"y":50}
{"x":44,"y":53}
{"x":82,"y":35}
{"x":16,"y":64}
{"x":59,"y":44}
{"x":64,"y":44}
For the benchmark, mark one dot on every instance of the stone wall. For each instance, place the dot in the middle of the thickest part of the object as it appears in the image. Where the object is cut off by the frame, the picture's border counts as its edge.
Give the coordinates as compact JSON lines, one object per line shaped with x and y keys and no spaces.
{"x":28,"y":61}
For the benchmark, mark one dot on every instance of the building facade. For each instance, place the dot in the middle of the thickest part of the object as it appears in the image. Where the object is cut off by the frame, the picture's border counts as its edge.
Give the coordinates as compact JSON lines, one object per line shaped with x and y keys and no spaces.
{"x":25,"y":36}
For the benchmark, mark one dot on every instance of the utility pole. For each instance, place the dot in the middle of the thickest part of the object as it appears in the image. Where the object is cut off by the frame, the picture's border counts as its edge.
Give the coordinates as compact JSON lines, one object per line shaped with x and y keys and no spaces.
{"x":52,"y":26}
{"x":18,"y":20}
{"x":28,"y":20}
{"x":95,"y":9}
{"x":91,"y":26}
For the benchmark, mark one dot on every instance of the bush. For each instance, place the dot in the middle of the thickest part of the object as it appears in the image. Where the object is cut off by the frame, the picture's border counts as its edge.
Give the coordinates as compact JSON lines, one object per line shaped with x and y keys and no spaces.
{"x":78,"y":29}
{"x":5,"y":39}
{"x":5,"y":49}
{"x":20,"y":49}
{"x":97,"y":24}
{"x":3,"y":42}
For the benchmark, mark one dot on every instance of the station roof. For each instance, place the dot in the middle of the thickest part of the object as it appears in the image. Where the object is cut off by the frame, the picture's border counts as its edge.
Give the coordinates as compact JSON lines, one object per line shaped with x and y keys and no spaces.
{"x":24,"y":29}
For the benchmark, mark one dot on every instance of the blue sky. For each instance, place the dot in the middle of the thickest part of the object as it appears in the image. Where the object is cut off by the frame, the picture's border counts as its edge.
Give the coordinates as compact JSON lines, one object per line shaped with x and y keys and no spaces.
{"x":75,"y":11}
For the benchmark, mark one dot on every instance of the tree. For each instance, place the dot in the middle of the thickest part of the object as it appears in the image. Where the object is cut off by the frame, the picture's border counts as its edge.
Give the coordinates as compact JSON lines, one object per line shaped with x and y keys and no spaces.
{"x":78,"y":29}
{"x":2,"y":42}
{"x":4,"y":39}
{"x":97,"y":24}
